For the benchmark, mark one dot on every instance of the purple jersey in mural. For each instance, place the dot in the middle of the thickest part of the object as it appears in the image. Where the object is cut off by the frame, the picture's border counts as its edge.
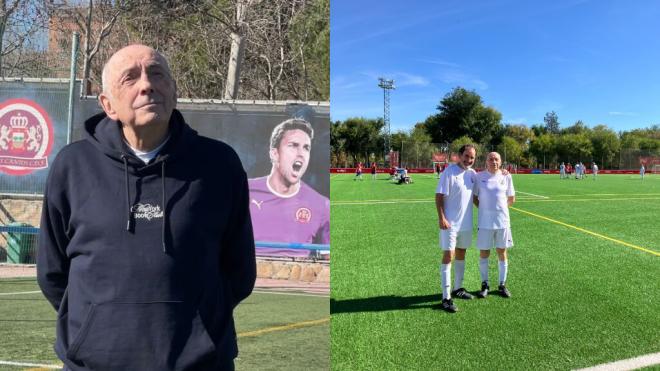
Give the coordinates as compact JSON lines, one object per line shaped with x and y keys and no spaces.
{"x":303,"y":217}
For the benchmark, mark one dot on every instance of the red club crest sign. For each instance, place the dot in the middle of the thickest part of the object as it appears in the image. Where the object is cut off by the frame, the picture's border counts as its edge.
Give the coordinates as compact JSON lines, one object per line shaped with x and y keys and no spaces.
{"x":26,"y":137}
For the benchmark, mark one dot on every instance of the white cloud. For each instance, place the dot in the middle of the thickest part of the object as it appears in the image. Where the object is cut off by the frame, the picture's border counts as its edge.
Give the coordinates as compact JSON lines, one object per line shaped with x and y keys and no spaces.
{"x":440,"y":62}
{"x":343,"y":83}
{"x":400,"y":78}
{"x":461,"y":78}
{"x":399,"y":23}
{"x":518,"y":120}
{"x":480,"y":84}
{"x":618,"y":113}
{"x":407,"y":79}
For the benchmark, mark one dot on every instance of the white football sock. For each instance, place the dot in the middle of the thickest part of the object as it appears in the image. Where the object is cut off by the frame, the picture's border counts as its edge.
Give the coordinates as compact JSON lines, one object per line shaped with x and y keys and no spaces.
{"x":504,"y":268}
{"x":445,"y":278}
{"x":459,"y":272}
{"x":483,"y":269}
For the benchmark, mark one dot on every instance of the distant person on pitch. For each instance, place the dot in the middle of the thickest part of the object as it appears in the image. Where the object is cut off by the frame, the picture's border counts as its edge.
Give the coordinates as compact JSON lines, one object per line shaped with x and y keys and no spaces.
{"x":642,"y":170}
{"x":594,"y":170}
{"x":373,"y":171}
{"x":493,"y":194}
{"x":562,"y":171}
{"x":358,"y":171}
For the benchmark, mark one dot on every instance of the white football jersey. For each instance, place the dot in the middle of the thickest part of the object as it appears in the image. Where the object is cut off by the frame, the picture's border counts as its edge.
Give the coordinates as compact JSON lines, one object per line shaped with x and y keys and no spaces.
{"x":493,"y":191}
{"x":456,"y":185}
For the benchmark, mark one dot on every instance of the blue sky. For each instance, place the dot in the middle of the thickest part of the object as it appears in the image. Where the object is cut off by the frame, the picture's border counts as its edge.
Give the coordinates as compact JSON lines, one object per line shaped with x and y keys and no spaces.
{"x":597,"y":61}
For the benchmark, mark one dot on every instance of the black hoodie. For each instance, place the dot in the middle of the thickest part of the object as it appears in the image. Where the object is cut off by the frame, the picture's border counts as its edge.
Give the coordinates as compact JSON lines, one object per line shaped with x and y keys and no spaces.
{"x":145,"y":263}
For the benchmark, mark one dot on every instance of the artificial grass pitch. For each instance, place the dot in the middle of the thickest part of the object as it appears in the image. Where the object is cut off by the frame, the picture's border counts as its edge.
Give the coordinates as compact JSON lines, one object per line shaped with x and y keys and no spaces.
{"x":277,"y":340}
{"x":579,"y":299}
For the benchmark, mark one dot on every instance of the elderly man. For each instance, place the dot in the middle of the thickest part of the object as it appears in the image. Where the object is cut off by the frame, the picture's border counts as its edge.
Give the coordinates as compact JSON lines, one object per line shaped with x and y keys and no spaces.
{"x":493,"y":194}
{"x":145,"y":250}
{"x":283,"y":207}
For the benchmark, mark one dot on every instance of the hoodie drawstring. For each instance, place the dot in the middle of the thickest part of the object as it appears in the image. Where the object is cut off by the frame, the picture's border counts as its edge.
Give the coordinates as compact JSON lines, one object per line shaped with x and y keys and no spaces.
{"x":164,"y":220}
{"x":164,"y":198}
{"x":128,"y":194}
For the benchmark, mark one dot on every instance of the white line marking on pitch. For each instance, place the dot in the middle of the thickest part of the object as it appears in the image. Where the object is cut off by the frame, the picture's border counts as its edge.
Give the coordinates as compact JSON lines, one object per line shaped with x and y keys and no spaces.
{"x":525,"y":199}
{"x":603,"y":194}
{"x":290,"y":293}
{"x":627,"y":364}
{"x":20,"y":293}
{"x":531,"y":194}
{"x":590,"y":199}
{"x":379,"y":202}
{"x":10,"y":363}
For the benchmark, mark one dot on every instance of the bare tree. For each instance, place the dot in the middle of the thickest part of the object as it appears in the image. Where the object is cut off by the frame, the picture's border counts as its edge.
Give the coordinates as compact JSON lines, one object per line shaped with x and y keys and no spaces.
{"x":20,"y":21}
{"x":6,"y":11}
{"x":232,"y":49}
{"x":95,"y":21}
{"x":277,"y":51}
{"x":238,"y":41}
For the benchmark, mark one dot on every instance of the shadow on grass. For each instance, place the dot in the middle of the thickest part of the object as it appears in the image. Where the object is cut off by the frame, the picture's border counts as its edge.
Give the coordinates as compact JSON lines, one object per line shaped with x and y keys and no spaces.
{"x":384,"y":303}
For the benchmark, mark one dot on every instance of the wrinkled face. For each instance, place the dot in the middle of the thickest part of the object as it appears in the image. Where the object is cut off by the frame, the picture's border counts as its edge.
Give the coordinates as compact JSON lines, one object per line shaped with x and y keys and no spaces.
{"x":140,"y":88}
{"x":493,"y":161}
{"x":291,"y":157}
{"x":467,"y":158}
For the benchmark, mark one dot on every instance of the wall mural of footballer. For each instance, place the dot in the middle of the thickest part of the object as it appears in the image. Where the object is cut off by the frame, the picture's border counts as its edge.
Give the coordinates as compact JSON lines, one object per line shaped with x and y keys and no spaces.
{"x":283,"y":207}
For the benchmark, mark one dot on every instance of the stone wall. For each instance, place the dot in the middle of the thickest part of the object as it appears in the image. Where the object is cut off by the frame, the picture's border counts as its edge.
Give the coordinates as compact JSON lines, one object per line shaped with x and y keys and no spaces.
{"x":23,"y":210}
{"x":28,"y":210}
{"x":294,"y":271}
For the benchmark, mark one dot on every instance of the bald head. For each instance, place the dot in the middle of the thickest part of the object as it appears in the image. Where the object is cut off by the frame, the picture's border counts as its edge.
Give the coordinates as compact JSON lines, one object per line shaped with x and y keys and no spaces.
{"x":138,"y":88}
{"x":493,"y":162}
{"x":121,"y":55}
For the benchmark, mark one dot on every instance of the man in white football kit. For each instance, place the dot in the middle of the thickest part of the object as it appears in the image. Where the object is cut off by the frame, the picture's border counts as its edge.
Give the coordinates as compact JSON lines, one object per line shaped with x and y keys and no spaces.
{"x":642,"y":170}
{"x":562,"y":171}
{"x":493,"y":194}
{"x":594,"y":170}
{"x":453,"y":200}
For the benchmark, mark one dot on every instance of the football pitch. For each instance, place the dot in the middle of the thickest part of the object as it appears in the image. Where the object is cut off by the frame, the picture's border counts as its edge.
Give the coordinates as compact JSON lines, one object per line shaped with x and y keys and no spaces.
{"x":276,"y":330}
{"x":584,"y":275}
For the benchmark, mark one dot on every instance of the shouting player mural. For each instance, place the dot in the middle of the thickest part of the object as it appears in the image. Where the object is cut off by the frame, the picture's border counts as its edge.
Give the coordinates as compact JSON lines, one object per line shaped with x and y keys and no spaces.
{"x":283,"y":207}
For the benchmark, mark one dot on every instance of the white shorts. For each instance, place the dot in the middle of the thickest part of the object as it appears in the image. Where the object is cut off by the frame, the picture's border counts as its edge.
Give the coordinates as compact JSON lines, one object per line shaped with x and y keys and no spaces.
{"x":490,"y":238}
{"x":450,"y":239}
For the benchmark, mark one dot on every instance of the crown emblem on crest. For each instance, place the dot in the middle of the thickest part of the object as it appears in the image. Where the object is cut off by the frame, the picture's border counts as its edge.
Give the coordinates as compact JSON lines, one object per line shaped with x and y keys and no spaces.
{"x":18,"y":122}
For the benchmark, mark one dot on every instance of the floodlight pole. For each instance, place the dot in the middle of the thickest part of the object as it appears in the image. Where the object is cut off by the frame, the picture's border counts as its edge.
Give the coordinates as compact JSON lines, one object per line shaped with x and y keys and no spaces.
{"x":386,"y":85}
